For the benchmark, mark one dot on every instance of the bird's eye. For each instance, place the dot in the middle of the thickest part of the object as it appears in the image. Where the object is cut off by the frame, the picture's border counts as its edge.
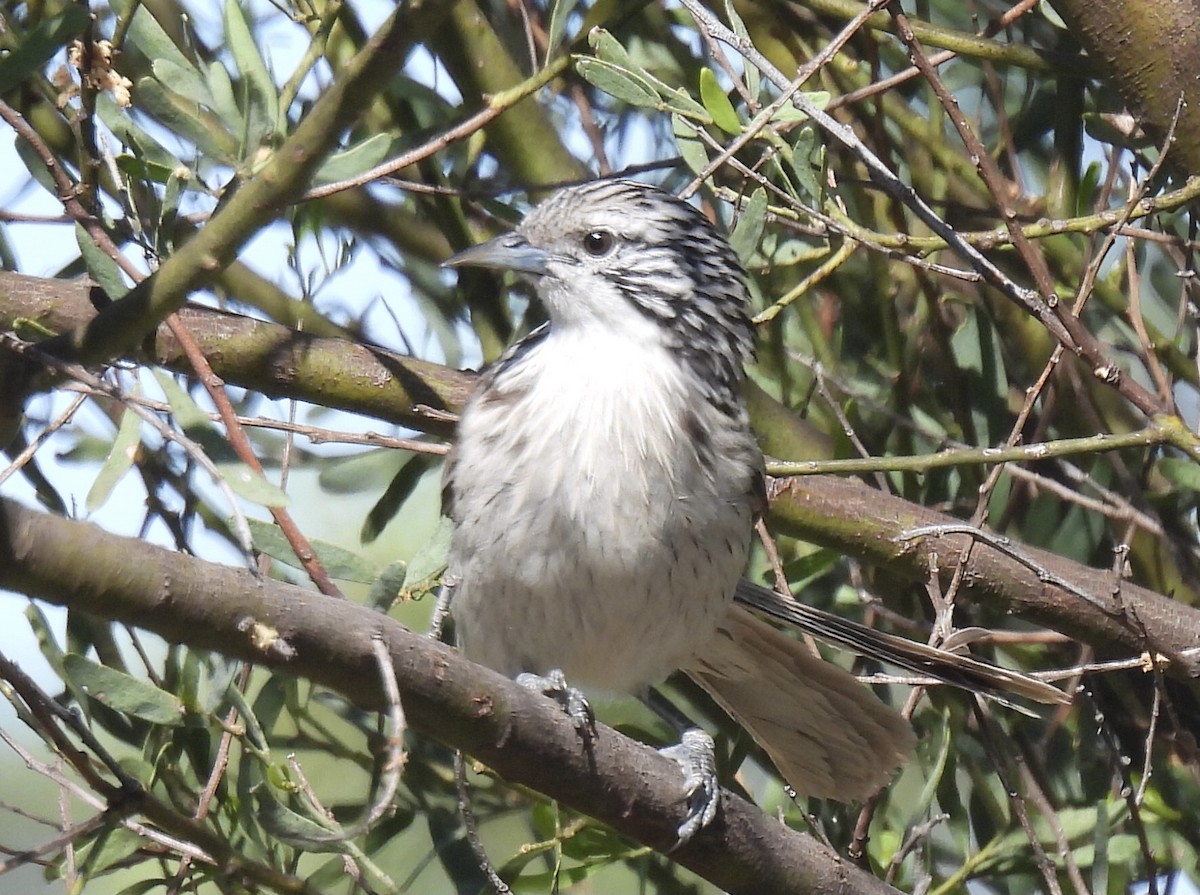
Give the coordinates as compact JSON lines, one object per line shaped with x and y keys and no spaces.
{"x":598,"y":243}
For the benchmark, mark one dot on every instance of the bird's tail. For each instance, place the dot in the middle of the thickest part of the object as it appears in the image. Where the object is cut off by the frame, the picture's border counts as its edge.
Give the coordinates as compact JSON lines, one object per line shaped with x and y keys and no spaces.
{"x":828,"y":735}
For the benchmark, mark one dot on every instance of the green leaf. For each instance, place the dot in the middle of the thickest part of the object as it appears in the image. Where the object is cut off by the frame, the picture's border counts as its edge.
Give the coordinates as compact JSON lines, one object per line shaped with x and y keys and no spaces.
{"x":608,"y":49}
{"x":285,"y":824}
{"x":356,"y":160}
{"x":750,"y":75}
{"x":386,"y":589}
{"x":717,"y":103}
{"x":338,"y":562}
{"x":1184,"y":473}
{"x":253,"y":486}
{"x":185,"y":80}
{"x":749,"y":230}
{"x":788,"y":113}
{"x":35,"y":166}
{"x":211,"y":136}
{"x":264,"y":95}
{"x":144,"y":146}
{"x":694,"y":152}
{"x":398,"y":491}
{"x":120,"y":461}
{"x":558,"y":23}
{"x":370,"y":471}
{"x":123,"y":692}
{"x":111,"y":847}
{"x":148,"y":36}
{"x":805,"y":143}
{"x":430,"y":560}
{"x":36,"y":46}
{"x":220,"y":85}
{"x":188,"y":415}
{"x":50,"y":649}
{"x":618,"y":83}
{"x":100,"y":265}
{"x":680,"y":102}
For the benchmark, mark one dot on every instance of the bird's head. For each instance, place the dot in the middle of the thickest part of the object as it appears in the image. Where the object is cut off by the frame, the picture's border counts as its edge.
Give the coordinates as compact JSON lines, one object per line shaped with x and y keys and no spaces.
{"x":619,"y":254}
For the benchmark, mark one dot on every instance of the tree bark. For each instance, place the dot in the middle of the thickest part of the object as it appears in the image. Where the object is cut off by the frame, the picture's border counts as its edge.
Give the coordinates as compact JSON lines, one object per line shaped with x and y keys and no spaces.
{"x":1149,"y":51}
{"x":523,"y":736}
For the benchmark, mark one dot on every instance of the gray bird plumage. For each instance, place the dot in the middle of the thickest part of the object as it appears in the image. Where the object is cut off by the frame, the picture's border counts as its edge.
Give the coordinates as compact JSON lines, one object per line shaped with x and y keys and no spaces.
{"x":605,"y":484}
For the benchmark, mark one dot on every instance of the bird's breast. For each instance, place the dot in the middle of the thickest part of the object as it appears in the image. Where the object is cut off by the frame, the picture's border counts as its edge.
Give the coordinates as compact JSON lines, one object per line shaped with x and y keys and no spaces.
{"x":592,"y":533}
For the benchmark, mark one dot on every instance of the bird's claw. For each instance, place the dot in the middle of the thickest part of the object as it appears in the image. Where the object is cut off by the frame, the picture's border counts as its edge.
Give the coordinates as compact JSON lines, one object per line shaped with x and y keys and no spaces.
{"x":696,"y":756}
{"x":574,"y":703}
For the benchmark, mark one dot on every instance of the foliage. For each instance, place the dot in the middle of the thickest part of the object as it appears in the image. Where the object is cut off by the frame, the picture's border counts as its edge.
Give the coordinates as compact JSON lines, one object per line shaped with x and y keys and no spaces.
{"x":1039,"y":292}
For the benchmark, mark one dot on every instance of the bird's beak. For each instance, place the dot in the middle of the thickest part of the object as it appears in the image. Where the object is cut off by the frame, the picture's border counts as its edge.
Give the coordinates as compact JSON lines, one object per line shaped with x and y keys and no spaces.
{"x":508,"y":252}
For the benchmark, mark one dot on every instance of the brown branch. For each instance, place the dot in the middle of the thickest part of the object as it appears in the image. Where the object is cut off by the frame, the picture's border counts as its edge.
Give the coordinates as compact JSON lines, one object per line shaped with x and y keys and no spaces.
{"x":265,"y":357}
{"x":873,"y":527}
{"x":858,"y":521}
{"x":521,"y":735}
{"x":1149,"y":50}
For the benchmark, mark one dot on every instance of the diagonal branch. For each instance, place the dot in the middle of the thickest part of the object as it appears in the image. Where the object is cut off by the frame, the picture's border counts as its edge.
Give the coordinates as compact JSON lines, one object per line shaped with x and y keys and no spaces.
{"x":523,"y":736}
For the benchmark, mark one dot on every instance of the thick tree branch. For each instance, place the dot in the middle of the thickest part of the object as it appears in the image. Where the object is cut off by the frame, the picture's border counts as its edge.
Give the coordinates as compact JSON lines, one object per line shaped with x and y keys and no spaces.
{"x":1150,"y":51}
{"x":275,"y":360}
{"x":1116,"y":617}
{"x":843,"y":514}
{"x":521,"y":735}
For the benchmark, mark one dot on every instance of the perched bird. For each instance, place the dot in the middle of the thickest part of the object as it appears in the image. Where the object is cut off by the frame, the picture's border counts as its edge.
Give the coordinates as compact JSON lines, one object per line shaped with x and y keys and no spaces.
{"x":605,"y":484}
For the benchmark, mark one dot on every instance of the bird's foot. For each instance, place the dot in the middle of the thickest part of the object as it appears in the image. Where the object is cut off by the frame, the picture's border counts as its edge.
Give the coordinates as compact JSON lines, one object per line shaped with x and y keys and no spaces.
{"x":696,"y":755}
{"x":574,"y":703}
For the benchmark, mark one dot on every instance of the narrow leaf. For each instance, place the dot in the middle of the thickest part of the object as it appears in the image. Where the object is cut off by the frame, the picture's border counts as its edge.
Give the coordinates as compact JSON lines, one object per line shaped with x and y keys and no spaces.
{"x":339,"y":562}
{"x":187,"y":413}
{"x":253,"y":486}
{"x":102,"y":268}
{"x":617,"y":83}
{"x":123,"y":692}
{"x":27,"y":55}
{"x":694,"y":153}
{"x":1184,"y":473}
{"x":608,"y":49}
{"x":354,"y":161}
{"x":187,"y":81}
{"x":148,"y":35}
{"x":717,"y":103}
{"x":120,"y":461}
{"x":802,"y":165}
{"x":789,"y":113}
{"x":558,"y":23}
{"x":264,"y":95}
{"x":749,"y":230}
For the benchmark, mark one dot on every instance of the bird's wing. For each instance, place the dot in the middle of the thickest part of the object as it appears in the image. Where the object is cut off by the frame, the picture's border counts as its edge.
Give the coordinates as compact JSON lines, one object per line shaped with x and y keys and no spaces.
{"x":956,"y":669}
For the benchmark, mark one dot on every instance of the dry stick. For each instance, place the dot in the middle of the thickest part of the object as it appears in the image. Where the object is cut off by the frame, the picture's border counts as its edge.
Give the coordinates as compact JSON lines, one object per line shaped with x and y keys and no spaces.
{"x":972,"y":456}
{"x":1015,"y":799}
{"x":471,"y":827}
{"x":169,"y":843}
{"x":393,"y":763}
{"x":1121,"y":769}
{"x":315,"y":434}
{"x":128,"y":796}
{"x":1038,"y":797}
{"x":1149,"y":355}
{"x":213,"y":384}
{"x":1109,"y":503}
{"x":32,"y":448}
